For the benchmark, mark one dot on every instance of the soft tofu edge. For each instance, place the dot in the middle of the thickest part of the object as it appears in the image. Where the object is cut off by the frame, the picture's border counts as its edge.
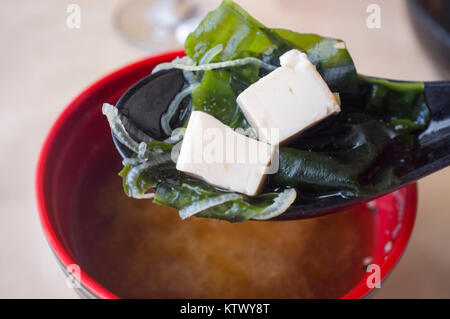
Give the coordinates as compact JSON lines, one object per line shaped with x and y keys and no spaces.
{"x":248,"y":181}
{"x":252,"y":102}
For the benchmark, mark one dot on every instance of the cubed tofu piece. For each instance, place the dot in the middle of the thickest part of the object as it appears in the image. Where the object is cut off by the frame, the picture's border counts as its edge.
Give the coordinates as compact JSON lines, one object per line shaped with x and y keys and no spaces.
{"x":215,"y":153}
{"x":288,"y":100}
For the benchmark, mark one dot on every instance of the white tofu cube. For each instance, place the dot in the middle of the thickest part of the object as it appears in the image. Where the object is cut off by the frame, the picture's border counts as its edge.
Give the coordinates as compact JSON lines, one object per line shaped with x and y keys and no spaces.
{"x":222,"y":157}
{"x":288,"y":100}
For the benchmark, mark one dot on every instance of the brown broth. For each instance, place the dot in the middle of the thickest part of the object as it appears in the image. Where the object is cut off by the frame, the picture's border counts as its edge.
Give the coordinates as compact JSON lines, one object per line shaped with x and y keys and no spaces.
{"x":140,"y":250}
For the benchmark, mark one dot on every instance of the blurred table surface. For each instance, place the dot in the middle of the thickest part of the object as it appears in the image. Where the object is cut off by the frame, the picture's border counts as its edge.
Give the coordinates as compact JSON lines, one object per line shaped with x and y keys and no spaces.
{"x":44,"y":65}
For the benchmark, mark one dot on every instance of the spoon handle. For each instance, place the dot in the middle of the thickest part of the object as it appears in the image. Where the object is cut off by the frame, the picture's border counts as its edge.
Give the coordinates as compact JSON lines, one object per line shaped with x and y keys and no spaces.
{"x":438,"y":98}
{"x":433,"y":151}
{"x":437,"y":95}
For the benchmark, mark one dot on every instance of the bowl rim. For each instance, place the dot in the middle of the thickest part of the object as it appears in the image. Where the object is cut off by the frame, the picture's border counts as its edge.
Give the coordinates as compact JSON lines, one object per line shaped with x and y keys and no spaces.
{"x":362,"y":290}
{"x":44,"y":216}
{"x":87,"y":282}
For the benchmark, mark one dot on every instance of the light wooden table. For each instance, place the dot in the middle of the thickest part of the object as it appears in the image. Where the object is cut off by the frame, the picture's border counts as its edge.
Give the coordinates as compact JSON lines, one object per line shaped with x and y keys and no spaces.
{"x":44,"y":65}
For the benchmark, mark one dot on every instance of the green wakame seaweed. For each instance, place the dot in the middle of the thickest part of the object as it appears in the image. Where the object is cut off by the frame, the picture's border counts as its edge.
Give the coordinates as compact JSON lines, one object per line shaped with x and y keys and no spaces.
{"x":355,"y":153}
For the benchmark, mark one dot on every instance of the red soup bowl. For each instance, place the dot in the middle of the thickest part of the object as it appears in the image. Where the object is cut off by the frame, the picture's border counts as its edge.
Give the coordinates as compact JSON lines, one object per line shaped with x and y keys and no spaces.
{"x":80,"y":140}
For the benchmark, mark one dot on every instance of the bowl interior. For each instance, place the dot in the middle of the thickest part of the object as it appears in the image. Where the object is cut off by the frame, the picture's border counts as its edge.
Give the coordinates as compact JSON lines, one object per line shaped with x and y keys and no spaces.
{"x":80,"y":141}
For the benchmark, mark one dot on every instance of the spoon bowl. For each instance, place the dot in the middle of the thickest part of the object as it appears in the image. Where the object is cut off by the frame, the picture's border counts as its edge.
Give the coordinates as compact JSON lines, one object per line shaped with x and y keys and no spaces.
{"x":148,"y":99}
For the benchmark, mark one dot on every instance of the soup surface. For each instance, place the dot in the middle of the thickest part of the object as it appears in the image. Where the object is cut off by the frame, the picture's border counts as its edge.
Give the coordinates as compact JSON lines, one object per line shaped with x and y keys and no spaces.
{"x":140,"y":250}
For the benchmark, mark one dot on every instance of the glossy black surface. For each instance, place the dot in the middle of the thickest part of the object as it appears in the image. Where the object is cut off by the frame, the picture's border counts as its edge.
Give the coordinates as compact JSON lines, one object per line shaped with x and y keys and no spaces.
{"x":146,"y":101}
{"x":433,"y":148}
{"x":153,"y":94}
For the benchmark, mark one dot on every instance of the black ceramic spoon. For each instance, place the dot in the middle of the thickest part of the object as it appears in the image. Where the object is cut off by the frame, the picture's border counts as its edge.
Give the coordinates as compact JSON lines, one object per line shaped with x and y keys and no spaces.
{"x":147,"y":100}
